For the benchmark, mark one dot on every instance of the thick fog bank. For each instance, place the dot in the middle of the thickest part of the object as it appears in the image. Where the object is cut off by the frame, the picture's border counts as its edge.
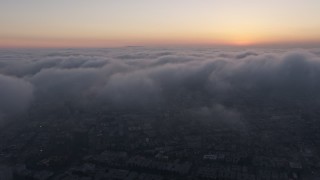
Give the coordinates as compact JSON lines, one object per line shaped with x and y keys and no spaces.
{"x":201,"y":79}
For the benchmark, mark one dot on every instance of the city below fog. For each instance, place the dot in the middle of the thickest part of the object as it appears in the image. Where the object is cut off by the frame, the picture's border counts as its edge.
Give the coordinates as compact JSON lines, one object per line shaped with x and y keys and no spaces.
{"x":139,"y":113}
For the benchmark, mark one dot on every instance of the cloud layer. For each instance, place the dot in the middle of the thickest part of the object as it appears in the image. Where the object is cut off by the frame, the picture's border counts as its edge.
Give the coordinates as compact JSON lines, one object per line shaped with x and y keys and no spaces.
{"x":15,"y":95}
{"x":204,"y":80}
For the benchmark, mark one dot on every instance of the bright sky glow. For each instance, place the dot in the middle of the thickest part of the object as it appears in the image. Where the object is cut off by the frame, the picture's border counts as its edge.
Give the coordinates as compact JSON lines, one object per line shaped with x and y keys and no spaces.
{"x":99,"y":23}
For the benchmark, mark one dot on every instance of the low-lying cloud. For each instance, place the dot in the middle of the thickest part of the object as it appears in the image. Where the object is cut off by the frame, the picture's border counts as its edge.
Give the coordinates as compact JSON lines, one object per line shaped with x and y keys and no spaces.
{"x":140,"y":78}
{"x":15,"y":95}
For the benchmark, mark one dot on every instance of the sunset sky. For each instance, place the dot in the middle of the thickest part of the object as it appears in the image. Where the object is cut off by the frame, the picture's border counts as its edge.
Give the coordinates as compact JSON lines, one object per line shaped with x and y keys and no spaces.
{"x":112,"y":23}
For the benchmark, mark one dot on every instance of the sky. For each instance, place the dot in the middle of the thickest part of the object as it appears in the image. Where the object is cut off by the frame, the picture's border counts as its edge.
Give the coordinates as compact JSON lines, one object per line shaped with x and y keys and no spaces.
{"x":112,"y":23}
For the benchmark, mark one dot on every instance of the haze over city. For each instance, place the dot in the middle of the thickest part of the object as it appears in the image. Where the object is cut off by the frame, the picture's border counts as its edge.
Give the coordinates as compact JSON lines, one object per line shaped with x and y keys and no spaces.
{"x":159,"y":90}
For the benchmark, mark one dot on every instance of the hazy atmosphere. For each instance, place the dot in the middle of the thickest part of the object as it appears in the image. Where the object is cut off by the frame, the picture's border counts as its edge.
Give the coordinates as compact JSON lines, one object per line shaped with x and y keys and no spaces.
{"x":160,"y":90}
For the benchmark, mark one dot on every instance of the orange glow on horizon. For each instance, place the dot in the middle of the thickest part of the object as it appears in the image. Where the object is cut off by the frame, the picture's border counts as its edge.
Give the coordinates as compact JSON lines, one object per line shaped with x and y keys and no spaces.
{"x":228,"y":40}
{"x":96,"y":23}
